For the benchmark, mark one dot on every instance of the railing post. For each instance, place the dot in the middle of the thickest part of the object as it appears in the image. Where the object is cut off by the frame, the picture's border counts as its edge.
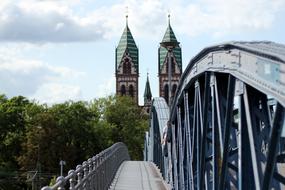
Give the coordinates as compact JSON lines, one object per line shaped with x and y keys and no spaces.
{"x":95,"y":173}
{"x":72,"y":180}
{"x":60,"y":180}
{"x":90,"y":173}
{"x":95,"y":162}
{"x":79,"y":175}
{"x":85,"y":171}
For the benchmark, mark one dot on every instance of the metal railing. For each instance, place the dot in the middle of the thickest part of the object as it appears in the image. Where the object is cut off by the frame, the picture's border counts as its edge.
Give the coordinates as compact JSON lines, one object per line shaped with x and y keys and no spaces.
{"x":95,"y":173}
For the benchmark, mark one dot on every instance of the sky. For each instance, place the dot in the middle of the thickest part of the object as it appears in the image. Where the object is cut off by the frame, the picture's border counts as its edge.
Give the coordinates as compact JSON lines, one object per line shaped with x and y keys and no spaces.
{"x":52,"y":51}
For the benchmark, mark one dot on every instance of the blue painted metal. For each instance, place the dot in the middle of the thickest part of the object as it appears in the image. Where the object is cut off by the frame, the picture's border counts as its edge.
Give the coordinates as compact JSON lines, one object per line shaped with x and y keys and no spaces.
{"x":273,"y":146}
{"x":226,"y":133}
{"x":180,"y":151}
{"x":153,"y":150}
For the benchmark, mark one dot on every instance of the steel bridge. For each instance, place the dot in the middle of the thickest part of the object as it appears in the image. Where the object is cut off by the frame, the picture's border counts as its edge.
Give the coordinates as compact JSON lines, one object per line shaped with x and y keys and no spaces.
{"x":224,"y":129}
{"x":227,"y":120}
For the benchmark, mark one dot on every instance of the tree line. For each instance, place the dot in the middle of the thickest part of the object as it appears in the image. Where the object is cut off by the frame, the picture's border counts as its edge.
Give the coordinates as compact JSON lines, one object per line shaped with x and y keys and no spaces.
{"x":35,"y":137}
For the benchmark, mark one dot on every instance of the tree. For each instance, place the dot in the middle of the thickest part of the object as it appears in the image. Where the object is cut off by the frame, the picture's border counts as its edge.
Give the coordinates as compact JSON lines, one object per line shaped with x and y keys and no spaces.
{"x":36,"y":137}
{"x":130,"y":124}
{"x":12,"y":133}
{"x":12,"y":129}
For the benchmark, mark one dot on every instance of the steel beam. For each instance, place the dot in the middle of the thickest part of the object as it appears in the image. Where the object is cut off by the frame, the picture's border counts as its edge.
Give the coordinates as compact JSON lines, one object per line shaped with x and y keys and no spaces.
{"x":180,"y":151}
{"x":273,"y":146}
{"x":228,"y":123}
{"x":205,"y":128}
{"x":188,"y":142}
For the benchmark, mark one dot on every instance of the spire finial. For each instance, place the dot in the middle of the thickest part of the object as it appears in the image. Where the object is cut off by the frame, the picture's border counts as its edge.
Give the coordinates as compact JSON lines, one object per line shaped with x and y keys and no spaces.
{"x":147,"y":72}
{"x":127,"y":12}
{"x":168,"y":17}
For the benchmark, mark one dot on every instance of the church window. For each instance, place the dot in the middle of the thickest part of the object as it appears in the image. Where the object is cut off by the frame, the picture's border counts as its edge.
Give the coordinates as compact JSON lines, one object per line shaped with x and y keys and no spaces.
{"x":127,"y":68}
{"x":131,"y":91}
{"x":123,"y":90}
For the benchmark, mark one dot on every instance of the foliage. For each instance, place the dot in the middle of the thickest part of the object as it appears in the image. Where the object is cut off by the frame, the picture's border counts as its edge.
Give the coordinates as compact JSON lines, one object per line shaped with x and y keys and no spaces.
{"x":130,"y":124}
{"x":35,"y":137}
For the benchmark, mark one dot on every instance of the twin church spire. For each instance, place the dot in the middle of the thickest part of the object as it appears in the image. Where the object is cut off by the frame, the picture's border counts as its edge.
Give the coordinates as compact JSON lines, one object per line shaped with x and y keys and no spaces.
{"x":175,"y":64}
{"x":127,"y":66}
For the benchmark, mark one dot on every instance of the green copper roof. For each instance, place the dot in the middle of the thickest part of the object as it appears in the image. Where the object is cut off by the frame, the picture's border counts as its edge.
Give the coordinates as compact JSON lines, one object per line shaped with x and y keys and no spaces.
{"x":169,"y":36}
{"x":127,"y":43}
{"x":147,"y":92}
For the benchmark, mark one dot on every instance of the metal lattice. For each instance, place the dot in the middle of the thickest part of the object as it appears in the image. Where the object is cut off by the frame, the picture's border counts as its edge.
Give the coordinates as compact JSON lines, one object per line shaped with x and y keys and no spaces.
{"x":228,"y":117}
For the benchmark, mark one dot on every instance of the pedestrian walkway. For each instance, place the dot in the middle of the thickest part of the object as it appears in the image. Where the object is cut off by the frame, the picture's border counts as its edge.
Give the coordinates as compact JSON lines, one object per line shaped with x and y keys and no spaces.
{"x":138,"y":175}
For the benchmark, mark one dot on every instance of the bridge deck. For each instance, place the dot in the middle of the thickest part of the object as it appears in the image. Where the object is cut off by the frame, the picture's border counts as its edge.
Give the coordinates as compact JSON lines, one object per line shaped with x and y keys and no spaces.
{"x":139,"y":175}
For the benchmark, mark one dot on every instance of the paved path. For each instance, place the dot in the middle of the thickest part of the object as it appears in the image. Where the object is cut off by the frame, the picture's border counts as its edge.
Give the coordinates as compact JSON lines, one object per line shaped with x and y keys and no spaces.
{"x":138,"y":175}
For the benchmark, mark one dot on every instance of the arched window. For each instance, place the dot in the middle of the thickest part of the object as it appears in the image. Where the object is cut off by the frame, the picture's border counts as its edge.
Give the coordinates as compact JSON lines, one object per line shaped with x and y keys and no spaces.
{"x":131,"y":91}
{"x":166,"y":93}
{"x":123,"y":90}
{"x":174,"y":87}
{"x":127,"y":67}
{"x":124,"y":68}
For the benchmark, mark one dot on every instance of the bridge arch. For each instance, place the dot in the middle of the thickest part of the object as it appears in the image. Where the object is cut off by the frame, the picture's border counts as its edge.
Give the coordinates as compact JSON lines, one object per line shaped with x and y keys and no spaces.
{"x":153,"y":149}
{"x":227,"y":119}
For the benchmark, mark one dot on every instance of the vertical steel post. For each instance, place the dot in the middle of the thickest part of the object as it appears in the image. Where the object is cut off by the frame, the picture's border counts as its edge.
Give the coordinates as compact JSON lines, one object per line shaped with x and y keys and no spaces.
{"x":273,"y":145}
{"x":256,"y":170}
{"x":228,"y":125}
{"x":181,"y":171}
{"x":205,"y":129}
{"x":175,"y":180}
{"x":188,"y":143}
{"x":217,"y":98}
{"x":169,"y":77}
{"x":215,"y":136}
{"x":244,"y":155}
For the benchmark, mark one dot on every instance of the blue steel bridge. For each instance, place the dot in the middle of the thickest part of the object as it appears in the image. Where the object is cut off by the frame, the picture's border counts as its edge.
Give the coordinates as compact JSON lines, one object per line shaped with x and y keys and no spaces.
{"x":226,"y":129}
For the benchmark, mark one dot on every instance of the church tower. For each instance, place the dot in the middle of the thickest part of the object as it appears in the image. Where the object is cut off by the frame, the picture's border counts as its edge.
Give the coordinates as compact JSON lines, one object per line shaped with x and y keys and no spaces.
{"x":127,"y":65}
{"x":147,"y":96}
{"x":176,"y":65}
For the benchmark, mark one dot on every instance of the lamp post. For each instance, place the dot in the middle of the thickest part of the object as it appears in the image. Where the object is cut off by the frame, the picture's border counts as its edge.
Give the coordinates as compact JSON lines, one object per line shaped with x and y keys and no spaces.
{"x":169,"y":46}
{"x":39,"y":129}
{"x":61,"y":163}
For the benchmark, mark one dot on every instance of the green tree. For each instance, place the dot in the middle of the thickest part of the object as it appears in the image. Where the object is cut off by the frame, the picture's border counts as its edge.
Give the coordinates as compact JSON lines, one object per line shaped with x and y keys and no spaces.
{"x":12,"y":134}
{"x":12,"y":129}
{"x":130,"y":124}
{"x":61,"y":132}
{"x":36,"y":137}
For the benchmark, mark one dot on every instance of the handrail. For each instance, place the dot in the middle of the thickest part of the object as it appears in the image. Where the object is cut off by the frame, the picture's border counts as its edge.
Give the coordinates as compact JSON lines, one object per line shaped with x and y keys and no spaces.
{"x":95,"y":173}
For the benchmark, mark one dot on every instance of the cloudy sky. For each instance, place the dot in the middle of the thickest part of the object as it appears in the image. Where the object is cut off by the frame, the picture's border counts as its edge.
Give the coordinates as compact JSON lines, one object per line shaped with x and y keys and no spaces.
{"x":57,"y":50}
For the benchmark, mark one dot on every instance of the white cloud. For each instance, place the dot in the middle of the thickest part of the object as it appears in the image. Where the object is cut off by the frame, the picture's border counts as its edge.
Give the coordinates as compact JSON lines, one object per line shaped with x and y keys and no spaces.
{"x":221,"y":17}
{"x":45,"y":21}
{"x":107,"y":87}
{"x":57,"y":21}
{"x":56,"y":93}
{"x":31,"y":77}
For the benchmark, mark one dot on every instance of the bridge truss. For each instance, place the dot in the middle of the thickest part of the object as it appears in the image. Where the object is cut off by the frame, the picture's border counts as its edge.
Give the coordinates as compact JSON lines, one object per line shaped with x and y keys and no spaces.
{"x":227,"y":120}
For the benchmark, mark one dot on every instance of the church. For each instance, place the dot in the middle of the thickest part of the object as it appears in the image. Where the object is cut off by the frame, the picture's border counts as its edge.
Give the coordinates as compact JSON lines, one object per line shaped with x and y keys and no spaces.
{"x":127,"y":67}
